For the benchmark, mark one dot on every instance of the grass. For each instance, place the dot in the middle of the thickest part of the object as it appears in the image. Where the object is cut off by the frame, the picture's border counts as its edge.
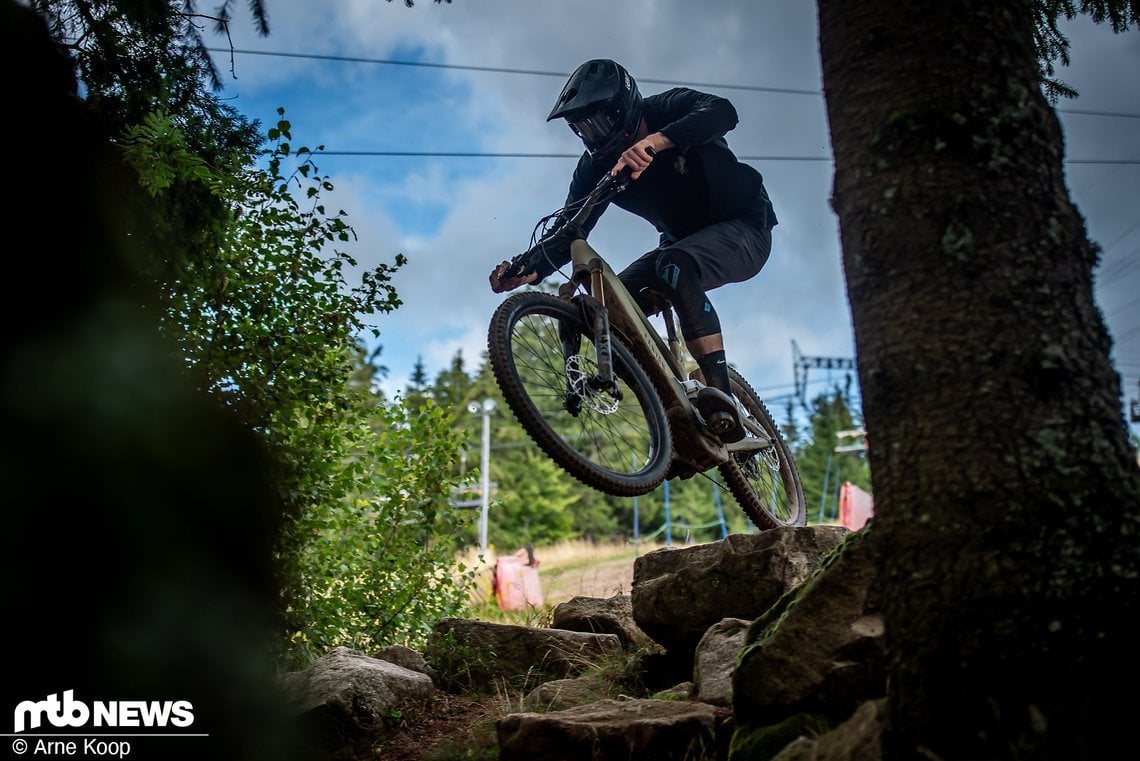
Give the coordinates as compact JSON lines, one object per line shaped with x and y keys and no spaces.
{"x":462,"y":727}
{"x":566,"y":569}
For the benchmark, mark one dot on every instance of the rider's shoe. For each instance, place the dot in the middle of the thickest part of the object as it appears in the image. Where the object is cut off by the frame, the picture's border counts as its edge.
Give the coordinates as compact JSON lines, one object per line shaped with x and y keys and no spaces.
{"x":720,"y":413}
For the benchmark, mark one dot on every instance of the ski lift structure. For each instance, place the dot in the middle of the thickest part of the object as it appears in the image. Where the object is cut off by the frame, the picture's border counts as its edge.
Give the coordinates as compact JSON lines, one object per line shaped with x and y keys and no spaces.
{"x":801,"y":364}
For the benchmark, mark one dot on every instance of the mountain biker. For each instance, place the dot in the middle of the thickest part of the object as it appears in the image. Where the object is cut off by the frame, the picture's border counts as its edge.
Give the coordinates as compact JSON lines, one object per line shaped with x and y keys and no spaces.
{"x":712,"y":211}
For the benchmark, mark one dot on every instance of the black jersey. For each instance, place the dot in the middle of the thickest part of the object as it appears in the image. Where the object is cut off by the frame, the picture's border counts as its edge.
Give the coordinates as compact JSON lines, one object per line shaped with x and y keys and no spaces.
{"x":697,"y":182}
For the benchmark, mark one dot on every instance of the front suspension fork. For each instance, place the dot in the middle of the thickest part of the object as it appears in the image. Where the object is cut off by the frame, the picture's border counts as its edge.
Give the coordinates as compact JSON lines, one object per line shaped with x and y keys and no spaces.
{"x":596,"y":316}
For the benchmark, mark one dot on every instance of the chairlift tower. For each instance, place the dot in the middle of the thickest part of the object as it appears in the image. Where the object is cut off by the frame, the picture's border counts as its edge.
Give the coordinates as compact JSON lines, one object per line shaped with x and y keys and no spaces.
{"x":801,"y":365}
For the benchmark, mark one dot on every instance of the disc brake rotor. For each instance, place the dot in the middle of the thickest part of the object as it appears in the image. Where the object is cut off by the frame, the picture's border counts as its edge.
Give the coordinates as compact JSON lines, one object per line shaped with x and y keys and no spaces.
{"x":579,"y":369}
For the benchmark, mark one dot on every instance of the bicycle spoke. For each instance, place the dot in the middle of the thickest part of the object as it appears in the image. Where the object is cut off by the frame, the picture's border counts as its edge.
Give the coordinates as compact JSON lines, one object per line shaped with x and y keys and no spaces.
{"x":610,"y":436}
{"x":764,"y":480}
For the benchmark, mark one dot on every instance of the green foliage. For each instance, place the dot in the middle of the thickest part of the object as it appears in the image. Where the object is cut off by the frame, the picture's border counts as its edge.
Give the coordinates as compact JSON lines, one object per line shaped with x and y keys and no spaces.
{"x":269,"y":319}
{"x":537,"y":508}
{"x":376,"y":567}
{"x":254,"y":294}
{"x":453,"y":386}
{"x":692,"y":511}
{"x":822,"y":469}
{"x":158,"y":152}
{"x":416,"y":392}
{"x":268,"y":316}
{"x":142,"y":65}
{"x":1052,"y":46}
{"x":136,"y":53}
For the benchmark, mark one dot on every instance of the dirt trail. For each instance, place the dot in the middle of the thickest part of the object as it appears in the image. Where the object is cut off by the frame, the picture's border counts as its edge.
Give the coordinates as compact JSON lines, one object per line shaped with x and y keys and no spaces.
{"x":604,"y":579}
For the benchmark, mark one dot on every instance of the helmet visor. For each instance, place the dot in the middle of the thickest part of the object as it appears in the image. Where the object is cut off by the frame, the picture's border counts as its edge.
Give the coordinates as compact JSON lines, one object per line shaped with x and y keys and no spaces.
{"x":597,"y":128}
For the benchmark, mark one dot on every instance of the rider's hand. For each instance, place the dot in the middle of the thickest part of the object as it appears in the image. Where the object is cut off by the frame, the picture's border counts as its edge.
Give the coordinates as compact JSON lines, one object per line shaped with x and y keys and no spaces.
{"x":639,"y":156}
{"x":498,"y":284}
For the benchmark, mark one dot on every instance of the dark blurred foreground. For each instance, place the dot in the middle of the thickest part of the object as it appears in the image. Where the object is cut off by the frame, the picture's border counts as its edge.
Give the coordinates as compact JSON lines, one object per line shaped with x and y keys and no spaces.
{"x":137,"y":520}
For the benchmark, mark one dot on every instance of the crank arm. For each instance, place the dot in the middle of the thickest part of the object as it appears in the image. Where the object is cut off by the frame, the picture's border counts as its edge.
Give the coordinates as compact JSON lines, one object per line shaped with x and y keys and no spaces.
{"x":757,"y":439}
{"x":750,"y":444}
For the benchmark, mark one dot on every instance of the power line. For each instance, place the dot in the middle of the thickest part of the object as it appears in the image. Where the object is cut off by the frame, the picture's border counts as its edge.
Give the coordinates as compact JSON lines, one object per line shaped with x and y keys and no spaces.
{"x":500,"y":70}
{"x":494,"y":155}
{"x":539,"y":73}
{"x":1098,"y":113}
{"x":477,"y":154}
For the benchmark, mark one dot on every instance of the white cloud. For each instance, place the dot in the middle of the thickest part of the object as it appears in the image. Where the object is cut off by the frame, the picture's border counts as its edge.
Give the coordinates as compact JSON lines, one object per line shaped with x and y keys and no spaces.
{"x":456,"y":217}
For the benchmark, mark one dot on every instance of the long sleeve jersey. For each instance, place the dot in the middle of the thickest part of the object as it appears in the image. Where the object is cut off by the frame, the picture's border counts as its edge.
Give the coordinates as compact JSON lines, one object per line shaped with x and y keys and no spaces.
{"x":697,"y":182}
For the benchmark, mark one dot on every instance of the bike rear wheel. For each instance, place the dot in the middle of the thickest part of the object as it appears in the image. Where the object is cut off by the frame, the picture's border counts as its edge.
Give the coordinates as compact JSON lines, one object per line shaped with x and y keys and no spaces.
{"x":614,"y":440}
{"x":766,"y":484}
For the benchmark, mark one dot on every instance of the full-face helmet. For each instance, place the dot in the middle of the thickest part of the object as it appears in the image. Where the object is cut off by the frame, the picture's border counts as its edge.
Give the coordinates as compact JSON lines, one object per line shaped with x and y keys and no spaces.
{"x":601,"y":104}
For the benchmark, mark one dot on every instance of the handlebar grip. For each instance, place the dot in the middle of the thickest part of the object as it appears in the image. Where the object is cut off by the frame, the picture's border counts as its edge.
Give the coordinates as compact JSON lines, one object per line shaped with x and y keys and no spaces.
{"x":627,"y":171}
{"x":528,"y":260}
{"x":519,"y":266}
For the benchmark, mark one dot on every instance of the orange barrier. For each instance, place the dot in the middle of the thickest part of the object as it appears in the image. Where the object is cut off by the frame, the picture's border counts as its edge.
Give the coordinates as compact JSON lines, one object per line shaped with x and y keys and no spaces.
{"x":855,"y":506}
{"x":516,"y":581}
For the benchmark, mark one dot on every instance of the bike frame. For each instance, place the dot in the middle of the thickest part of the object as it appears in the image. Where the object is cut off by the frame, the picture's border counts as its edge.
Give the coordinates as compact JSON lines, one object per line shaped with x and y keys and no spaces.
{"x":663,"y":362}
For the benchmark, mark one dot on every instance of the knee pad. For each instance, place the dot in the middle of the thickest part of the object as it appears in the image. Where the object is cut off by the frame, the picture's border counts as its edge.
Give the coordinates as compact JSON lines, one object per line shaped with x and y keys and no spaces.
{"x":680,"y":280}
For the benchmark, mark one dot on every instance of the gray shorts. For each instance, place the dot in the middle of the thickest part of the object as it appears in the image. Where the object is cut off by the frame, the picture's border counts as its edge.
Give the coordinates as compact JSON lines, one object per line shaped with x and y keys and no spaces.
{"x":726,"y":252}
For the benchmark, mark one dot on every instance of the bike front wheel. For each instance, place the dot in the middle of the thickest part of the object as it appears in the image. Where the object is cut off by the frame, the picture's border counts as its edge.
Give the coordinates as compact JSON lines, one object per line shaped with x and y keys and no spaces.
{"x":765,"y":483}
{"x":615,"y":439}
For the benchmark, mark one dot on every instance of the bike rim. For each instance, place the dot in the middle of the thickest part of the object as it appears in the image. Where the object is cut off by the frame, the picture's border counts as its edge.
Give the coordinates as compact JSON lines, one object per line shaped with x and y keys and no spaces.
{"x":769,"y":474}
{"x":611,"y":431}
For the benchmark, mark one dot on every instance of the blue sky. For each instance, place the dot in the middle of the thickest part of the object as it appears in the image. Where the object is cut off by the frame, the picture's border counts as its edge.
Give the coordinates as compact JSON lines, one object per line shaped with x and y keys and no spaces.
{"x":454,"y":217}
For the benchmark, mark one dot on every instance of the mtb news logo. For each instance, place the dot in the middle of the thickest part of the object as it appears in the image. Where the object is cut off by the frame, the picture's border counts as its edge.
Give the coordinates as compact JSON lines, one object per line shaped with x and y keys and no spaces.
{"x":69,"y":712}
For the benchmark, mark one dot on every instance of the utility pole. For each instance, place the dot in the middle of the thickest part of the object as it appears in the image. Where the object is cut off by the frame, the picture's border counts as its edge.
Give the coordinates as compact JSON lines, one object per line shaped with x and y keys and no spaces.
{"x":485,"y":409}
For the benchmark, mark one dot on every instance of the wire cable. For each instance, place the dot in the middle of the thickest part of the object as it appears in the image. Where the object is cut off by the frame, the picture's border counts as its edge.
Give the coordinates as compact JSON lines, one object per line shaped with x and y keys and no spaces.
{"x":539,"y":73}
{"x":500,"y":155}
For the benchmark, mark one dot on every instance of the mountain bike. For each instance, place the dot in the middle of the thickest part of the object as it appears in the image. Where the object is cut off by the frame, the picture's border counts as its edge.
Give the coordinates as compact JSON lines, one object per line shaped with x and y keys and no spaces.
{"x":611,"y":400}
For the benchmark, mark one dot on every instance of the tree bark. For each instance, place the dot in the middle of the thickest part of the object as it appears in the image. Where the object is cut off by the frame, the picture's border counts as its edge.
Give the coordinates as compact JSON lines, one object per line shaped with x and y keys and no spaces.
{"x":1006,"y":494}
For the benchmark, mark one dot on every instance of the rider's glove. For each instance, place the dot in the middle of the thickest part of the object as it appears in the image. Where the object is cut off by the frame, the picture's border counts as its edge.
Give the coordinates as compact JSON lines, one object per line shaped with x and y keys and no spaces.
{"x":503,"y":278}
{"x":533,"y":265}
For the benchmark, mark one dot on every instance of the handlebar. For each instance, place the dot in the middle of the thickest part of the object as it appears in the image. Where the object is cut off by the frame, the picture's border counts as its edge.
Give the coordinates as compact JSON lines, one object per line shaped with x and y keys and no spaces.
{"x":571,"y":228}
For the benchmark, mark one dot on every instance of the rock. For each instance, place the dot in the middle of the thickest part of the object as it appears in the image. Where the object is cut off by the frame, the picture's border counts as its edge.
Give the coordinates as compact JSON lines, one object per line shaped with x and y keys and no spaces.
{"x":561,"y":694}
{"x":661,"y":730}
{"x":821,"y":651}
{"x":715,"y":659}
{"x":612,"y":615}
{"x":406,"y":657}
{"x":347,"y":693}
{"x":800,"y":673}
{"x":856,"y":739}
{"x":678,"y":593}
{"x":469,"y":654}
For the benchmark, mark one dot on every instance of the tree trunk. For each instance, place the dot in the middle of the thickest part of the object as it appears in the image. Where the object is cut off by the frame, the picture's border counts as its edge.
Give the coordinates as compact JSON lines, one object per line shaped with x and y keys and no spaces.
{"x":1006,"y":495}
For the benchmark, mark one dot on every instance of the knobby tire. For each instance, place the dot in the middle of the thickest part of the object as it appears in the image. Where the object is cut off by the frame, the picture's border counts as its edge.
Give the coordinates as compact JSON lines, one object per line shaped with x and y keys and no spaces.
{"x":765,"y":484}
{"x":620,"y":446}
